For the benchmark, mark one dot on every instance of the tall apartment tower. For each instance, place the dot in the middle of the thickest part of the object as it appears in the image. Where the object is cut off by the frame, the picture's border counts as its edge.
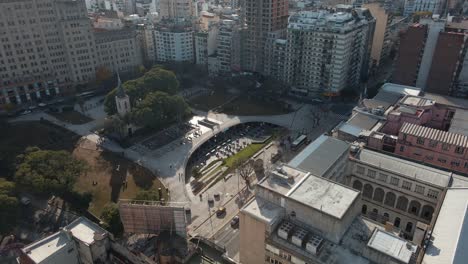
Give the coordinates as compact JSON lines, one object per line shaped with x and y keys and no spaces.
{"x":261,"y":17}
{"x":46,"y":46}
{"x":176,"y":9}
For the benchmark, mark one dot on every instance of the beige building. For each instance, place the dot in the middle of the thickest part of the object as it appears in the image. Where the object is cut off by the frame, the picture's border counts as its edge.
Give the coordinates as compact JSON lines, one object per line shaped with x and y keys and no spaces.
{"x":46,"y":47}
{"x":396,"y":190}
{"x":176,"y":9}
{"x":299,"y":218}
{"x":118,"y":50}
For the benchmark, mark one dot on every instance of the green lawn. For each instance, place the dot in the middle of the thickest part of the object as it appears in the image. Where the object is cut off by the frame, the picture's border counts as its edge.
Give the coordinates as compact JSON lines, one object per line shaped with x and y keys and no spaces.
{"x":244,"y":154}
{"x":210,"y":101}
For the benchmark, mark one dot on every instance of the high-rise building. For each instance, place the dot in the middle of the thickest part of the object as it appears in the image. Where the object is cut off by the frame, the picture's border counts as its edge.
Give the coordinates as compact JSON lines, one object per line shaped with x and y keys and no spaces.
{"x":260,"y":18}
{"x":433,"y":6}
{"x":176,"y":9}
{"x":228,"y":51}
{"x":174,"y":42}
{"x":328,"y":51}
{"x":46,"y":47}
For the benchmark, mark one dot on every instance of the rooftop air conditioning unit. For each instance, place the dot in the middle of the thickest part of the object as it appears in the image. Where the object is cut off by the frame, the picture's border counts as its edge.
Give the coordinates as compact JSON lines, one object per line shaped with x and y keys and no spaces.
{"x":284,"y":230}
{"x":298,"y":237}
{"x":313,"y":245}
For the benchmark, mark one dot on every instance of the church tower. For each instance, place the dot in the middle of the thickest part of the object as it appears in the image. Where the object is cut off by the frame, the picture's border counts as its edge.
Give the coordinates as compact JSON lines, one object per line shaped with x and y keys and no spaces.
{"x":122,"y":100}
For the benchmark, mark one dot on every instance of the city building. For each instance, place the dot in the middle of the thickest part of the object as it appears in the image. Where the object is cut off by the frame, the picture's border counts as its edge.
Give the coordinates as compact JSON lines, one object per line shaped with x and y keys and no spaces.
{"x":260,"y":18}
{"x":46,"y":48}
{"x":145,"y":36}
{"x":432,"y":57}
{"x":228,"y":46}
{"x":328,"y":52}
{"x":176,"y":9}
{"x":432,"y":6}
{"x":395,"y":190}
{"x":297,"y":217}
{"x":118,"y":50}
{"x":81,"y":242}
{"x":174,"y":42}
{"x":206,"y":39}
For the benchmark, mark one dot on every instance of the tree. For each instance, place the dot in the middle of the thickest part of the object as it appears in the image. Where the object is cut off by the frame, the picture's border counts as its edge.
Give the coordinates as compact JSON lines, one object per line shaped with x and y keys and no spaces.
{"x":8,"y":205}
{"x":156,"y":79}
{"x":111,"y":217}
{"x":103,"y":74}
{"x":244,"y":168}
{"x":148,"y":195}
{"x":46,"y":171}
{"x":159,"y":109}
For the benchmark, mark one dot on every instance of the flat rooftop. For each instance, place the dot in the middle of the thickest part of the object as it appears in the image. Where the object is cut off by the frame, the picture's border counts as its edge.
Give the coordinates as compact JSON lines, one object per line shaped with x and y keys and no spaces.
{"x":450,"y":233}
{"x":51,"y":245}
{"x":391,"y":245}
{"x":409,"y":169}
{"x":417,"y":101}
{"x":447,"y":100}
{"x":320,"y":155}
{"x":263,"y":210}
{"x":279,"y":182}
{"x":324,"y":195}
{"x":400,"y":89}
{"x":85,"y":230}
{"x":459,"y":123}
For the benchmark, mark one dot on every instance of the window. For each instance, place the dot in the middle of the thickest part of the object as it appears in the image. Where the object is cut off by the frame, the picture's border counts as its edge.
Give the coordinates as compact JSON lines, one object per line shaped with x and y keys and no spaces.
{"x":445,"y":146}
{"x":360,"y":169}
{"x":441,"y":160}
{"x":459,"y":150}
{"x":371,"y":173}
{"x":455,"y":163}
{"x":402,"y":148}
{"x":394,"y":181}
{"x":406,"y":185}
{"x":432,"y":143}
{"x":419,"y":189}
{"x":420,"y":141}
{"x":382,"y":177}
{"x":432,"y":194}
{"x":404,"y":137}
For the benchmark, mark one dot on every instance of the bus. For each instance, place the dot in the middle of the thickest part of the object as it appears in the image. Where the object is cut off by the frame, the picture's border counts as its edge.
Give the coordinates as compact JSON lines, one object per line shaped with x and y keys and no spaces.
{"x":298,"y":142}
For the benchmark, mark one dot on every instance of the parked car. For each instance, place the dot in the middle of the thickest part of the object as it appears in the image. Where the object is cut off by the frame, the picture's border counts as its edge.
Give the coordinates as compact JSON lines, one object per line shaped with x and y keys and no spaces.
{"x":235,"y":221}
{"x":25,"y":200}
{"x":220,"y":211}
{"x":25,"y":112}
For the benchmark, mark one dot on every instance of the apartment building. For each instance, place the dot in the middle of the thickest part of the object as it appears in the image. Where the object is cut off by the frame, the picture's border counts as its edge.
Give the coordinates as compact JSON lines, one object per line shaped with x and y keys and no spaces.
{"x":260,"y":18}
{"x":228,"y":46}
{"x":432,"y":6}
{"x":395,"y":190}
{"x":145,"y":36}
{"x":174,"y":42}
{"x":118,"y":50}
{"x":176,"y":9}
{"x":206,"y":44}
{"x":297,"y":217}
{"x":46,"y":47}
{"x":328,"y":51}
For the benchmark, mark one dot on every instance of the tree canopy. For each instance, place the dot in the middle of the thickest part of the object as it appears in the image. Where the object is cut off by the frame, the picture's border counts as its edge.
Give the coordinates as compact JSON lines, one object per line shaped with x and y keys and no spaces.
{"x":158,"y":109}
{"x":8,"y":205}
{"x":111,"y":218}
{"x":47,"y":171}
{"x":156,"y":79}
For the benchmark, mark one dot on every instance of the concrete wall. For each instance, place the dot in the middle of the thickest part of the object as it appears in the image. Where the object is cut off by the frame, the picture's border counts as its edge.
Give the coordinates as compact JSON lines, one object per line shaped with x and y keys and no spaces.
{"x":381,"y":17}
{"x":252,"y":239}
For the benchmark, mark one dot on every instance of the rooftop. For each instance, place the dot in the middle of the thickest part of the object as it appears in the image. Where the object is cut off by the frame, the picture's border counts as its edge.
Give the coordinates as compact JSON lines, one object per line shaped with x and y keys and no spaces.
{"x":85,"y":230}
{"x":263,"y":210}
{"x":283,"y":180}
{"x":417,"y":101}
{"x":51,"y":245}
{"x":434,"y":134}
{"x":447,"y":100}
{"x":324,"y":195}
{"x":358,"y":123}
{"x":400,"y":89}
{"x":391,"y":245}
{"x":459,"y":123}
{"x":450,"y":233}
{"x":405,"y":168}
{"x":323,"y":20}
{"x":320,"y":155}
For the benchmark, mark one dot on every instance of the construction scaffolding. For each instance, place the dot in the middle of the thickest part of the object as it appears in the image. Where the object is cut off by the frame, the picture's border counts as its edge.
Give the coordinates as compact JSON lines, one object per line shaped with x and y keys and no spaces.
{"x":150,"y":217}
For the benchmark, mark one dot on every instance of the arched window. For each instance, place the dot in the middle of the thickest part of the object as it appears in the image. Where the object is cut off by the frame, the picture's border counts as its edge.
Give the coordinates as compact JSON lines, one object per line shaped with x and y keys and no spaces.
{"x":409,"y":227}
{"x":390,"y":199}
{"x":379,"y":195}
{"x":374,"y":214}
{"x":368,"y":191}
{"x":414,"y":208}
{"x":397,"y":221}
{"x":364,"y":209}
{"x":357,"y":185}
{"x":427,"y":212}
{"x":385,"y":217}
{"x":402,"y":203}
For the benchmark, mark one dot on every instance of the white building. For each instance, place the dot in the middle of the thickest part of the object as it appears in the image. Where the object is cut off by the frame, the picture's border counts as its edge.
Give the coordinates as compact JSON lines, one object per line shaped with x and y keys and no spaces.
{"x":174,"y":42}
{"x":118,"y":50}
{"x":228,"y":50}
{"x":327,"y":52}
{"x":433,"y":6}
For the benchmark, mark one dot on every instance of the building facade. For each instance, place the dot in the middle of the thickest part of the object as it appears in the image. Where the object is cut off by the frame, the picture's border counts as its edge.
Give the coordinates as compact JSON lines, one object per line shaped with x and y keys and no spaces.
{"x":46,"y":48}
{"x":176,"y":9}
{"x":327,"y":52}
{"x":228,"y":46}
{"x":174,"y":42}
{"x":433,"y":6}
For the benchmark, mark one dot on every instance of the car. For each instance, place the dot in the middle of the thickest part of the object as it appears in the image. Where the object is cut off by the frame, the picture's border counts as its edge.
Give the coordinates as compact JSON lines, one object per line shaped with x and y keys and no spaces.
{"x":220,"y":211}
{"x":235,"y":221}
{"x":25,"y":200}
{"x":25,"y":112}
